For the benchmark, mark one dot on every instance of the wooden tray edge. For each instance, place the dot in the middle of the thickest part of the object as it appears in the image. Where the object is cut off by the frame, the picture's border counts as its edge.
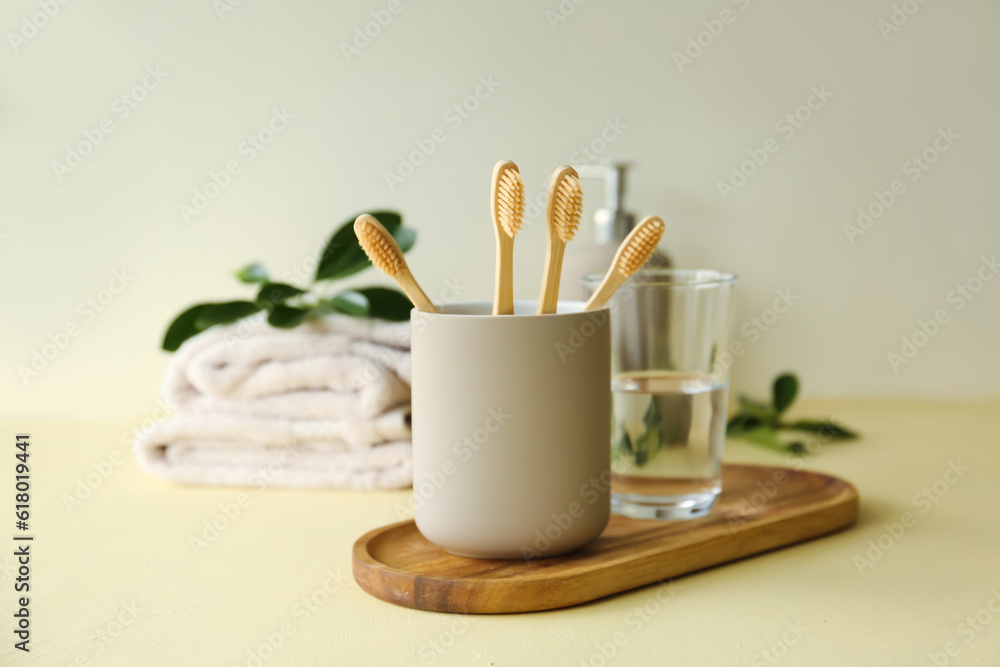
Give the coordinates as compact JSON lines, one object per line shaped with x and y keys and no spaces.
{"x":404,"y":589}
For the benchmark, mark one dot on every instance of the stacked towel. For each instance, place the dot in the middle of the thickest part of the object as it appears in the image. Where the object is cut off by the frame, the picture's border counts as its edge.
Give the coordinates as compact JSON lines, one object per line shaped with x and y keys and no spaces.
{"x":324,"y":405}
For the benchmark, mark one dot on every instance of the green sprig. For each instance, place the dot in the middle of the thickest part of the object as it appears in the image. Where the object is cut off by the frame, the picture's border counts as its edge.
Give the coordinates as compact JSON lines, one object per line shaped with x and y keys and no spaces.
{"x":288,"y":306}
{"x":759,"y":422}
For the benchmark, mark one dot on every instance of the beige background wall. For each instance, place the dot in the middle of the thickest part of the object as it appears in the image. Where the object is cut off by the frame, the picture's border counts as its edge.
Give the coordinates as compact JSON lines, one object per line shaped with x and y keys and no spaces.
{"x":63,"y":236}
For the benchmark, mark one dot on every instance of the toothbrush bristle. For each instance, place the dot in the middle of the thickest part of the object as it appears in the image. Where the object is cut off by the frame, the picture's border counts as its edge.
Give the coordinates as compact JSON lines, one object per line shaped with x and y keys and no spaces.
{"x":567,"y":205}
{"x":378,"y":244}
{"x":640,"y":245}
{"x":510,"y":200}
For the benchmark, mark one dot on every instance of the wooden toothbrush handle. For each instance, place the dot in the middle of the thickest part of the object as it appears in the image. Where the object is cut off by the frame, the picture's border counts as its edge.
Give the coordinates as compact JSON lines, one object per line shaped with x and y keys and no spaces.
{"x":409,"y":285}
{"x":503,"y":297}
{"x":549,"y":297}
{"x":608,"y":287}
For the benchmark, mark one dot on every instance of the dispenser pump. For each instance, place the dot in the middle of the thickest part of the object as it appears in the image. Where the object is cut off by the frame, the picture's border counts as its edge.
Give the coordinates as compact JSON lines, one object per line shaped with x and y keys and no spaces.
{"x":612,"y":222}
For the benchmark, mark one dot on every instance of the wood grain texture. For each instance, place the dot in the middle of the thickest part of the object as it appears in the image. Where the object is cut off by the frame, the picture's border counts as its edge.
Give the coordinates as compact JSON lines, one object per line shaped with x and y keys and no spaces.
{"x":612,"y":281}
{"x":507,"y":209}
{"x":761,"y":508}
{"x":549,"y":297}
{"x":414,"y":292}
{"x":562,"y":214}
{"x":503,"y":295}
{"x":634,"y":251}
{"x":386,"y":255}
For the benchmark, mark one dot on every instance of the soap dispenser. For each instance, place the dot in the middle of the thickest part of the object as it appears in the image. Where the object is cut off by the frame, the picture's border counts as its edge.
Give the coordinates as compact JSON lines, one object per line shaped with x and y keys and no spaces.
{"x":612,"y":223}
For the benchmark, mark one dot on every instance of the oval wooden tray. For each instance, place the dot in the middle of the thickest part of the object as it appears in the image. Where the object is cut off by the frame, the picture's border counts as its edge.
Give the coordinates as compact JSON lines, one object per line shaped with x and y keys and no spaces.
{"x":760,"y":509}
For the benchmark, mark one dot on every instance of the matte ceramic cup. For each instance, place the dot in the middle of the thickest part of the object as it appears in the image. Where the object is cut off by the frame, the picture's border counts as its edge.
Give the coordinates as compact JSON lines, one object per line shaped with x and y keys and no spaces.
{"x":511,"y":423}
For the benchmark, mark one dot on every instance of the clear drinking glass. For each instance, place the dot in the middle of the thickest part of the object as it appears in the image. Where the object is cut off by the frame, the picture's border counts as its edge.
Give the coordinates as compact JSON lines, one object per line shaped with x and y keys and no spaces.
{"x":671,"y":355}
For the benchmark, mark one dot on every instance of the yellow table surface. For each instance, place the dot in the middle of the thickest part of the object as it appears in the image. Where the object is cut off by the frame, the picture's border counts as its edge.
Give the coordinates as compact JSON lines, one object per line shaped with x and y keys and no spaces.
{"x":115,"y":580}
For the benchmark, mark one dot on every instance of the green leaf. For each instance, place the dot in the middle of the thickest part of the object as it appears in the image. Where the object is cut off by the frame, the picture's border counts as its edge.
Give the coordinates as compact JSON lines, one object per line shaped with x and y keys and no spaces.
{"x":224,"y":313}
{"x":765,"y":436}
{"x":387,"y":304}
{"x":621,"y":449}
{"x":405,"y":238}
{"x":653,"y":418}
{"x":785,"y":388}
{"x":197,"y":318}
{"x":641,"y":456}
{"x":741,"y":423}
{"x":626,"y":442}
{"x":286,"y":317}
{"x":252,"y":273}
{"x":350,"y":303}
{"x":343,"y":255}
{"x":273,"y":294}
{"x":762,"y":412}
{"x":823,"y":428}
{"x":183,"y":327}
{"x":646,"y":447}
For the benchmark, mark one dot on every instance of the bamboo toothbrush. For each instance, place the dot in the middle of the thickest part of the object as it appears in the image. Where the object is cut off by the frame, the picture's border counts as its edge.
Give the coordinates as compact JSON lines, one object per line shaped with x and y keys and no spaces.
{"x":563,"y":215}
{"x":634,"y":251}
{"x":507,"y":207}
{"x":384,"y":253}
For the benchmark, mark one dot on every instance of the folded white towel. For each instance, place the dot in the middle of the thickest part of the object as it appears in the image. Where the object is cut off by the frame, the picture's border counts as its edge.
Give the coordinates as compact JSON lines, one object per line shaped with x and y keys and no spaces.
{"x":334,"y":367}
{"x":250,"y":451}
{"x":324,"y":405}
